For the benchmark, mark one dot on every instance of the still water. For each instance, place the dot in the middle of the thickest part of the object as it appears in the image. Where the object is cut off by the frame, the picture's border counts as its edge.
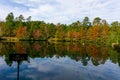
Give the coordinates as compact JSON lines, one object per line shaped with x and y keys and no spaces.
{"x":61,"y":61}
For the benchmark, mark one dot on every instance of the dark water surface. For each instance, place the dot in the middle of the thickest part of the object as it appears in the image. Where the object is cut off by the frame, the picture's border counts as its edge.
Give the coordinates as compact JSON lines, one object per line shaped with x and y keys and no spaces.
{"x":61,"y":61}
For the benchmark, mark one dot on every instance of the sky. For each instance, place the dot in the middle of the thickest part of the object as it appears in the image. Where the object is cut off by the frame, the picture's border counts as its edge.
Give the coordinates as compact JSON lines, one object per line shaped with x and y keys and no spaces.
{"x":62,"y":11}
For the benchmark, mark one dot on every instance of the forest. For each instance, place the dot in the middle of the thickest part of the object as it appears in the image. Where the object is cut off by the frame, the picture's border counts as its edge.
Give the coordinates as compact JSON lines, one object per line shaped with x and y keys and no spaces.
{"x":98,"y":31}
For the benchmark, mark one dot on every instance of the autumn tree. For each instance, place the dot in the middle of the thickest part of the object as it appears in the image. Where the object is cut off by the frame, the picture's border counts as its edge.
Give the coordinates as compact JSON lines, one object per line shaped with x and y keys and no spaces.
{"x":93,"y":33}
{"x":22,"y":33}
{"x":82,"y":34}
{"x":104,"y":30}
{"x":36,"y":34}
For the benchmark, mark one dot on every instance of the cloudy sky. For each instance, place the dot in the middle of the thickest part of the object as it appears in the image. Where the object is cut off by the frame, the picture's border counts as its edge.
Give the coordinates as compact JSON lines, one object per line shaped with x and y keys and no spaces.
{"x":63,"y":11}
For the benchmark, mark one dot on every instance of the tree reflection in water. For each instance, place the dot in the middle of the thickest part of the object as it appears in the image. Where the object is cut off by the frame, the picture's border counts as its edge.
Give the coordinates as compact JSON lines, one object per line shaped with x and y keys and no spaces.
{"x":84,"y":53}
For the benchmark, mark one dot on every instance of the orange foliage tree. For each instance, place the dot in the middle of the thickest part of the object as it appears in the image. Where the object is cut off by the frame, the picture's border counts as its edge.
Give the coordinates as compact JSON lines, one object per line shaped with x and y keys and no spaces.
{"x":21,"y":32}
{"x":104,"y":33}
{"x":96,"y":32}
{"x":89,"y":34}
{"x":93,"y":33}
{"x":82,"y":34}
{"x":74,"y":34}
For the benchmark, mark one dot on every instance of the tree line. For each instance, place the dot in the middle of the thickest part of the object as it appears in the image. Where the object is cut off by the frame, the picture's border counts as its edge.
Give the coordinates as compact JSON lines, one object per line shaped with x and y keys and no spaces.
{"x":97,"y":31}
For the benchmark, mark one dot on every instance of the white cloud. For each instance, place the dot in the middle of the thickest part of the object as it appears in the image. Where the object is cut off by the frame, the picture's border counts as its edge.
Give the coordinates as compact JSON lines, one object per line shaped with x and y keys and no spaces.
{"x":46,"y":8}
{"x":2,"y":63}
{"x":63,"y":11}
{"x":40,"y":66}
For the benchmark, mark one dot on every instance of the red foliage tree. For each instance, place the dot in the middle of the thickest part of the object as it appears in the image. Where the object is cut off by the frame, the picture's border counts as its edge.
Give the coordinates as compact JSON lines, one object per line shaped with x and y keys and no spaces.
{"x":37,"y":33}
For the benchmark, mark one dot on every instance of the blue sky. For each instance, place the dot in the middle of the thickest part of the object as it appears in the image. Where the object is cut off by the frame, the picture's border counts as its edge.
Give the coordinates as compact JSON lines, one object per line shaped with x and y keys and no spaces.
{"x":63,"y":11}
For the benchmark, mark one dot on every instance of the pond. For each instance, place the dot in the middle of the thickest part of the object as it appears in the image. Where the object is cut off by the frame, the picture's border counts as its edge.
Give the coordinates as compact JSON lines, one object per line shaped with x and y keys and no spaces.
{"x":58,"y":61}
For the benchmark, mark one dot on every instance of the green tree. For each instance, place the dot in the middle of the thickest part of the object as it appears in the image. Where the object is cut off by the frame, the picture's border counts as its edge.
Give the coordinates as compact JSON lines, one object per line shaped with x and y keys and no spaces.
{"x":115,"y":27}
{"x":9,"y":24}
{"x":86,"y":22}
{"x":29,"y":19}
{"x":96,"y":21}
{"x":21,"y":20}
{"x":2,"y":26}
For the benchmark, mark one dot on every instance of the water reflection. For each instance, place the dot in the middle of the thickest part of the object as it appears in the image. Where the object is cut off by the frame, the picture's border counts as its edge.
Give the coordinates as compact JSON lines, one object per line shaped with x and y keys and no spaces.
{"x":97,"y":54}
{"x":61,"y":60}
